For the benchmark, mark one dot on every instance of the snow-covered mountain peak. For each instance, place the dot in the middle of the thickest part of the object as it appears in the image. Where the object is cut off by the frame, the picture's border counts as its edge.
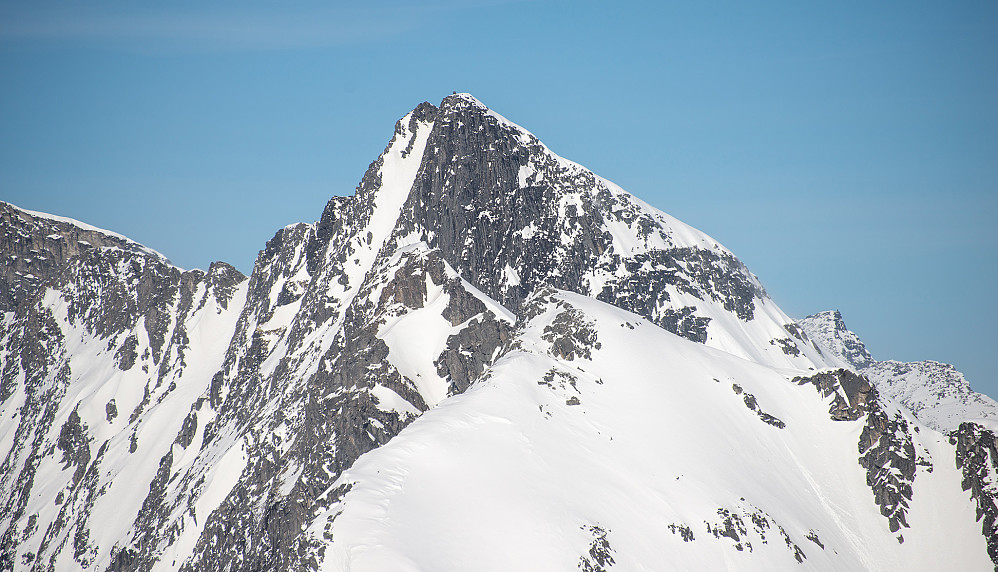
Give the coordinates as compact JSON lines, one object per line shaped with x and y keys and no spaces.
{"x":462,"y":98}
{"x":537,"y":163}
{"x":487,"y":357}
{"x":828,"y":329}
{"x":488,"y":195}
{"x":459,"y":103}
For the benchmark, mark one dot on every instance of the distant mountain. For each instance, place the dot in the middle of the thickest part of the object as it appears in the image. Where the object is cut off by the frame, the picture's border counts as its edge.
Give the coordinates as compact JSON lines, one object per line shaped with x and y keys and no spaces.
{"x":936,"y":393}
{"x":487,"y":358}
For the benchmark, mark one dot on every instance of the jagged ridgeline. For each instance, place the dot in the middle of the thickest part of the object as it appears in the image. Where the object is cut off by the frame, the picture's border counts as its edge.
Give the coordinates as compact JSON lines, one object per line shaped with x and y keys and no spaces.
{"x":487,"y":357}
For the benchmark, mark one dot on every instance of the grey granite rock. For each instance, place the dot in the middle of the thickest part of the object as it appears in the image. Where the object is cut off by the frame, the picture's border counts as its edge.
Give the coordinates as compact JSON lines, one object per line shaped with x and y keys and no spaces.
{"x":977,"y":457}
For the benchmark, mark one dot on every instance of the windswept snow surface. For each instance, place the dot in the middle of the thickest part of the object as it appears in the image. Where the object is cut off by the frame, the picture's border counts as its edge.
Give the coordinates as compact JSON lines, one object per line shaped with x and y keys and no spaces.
{"x":649,"y":446}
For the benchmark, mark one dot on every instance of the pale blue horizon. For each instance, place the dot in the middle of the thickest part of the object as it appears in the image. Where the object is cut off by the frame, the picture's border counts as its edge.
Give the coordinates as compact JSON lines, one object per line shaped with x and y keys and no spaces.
{"x":848,"y":154}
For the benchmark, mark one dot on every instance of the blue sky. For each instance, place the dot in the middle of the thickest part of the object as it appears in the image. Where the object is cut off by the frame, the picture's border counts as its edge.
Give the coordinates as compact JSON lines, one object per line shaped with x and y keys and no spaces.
{"x":847,"y":152}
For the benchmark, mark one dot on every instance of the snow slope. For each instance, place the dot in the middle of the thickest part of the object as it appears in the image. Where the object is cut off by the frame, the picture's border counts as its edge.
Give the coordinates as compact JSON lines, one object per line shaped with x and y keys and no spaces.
{"x":644,"y":452}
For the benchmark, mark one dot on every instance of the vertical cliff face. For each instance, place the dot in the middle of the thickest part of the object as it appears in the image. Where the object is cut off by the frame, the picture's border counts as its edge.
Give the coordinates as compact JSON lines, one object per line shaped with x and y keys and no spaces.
{"x":36,"y":246}
{"x":154,"y":418}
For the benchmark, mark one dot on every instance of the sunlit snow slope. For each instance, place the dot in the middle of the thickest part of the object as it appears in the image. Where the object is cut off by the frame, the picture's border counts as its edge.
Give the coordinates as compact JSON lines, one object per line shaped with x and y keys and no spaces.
{"x":645,"y":450}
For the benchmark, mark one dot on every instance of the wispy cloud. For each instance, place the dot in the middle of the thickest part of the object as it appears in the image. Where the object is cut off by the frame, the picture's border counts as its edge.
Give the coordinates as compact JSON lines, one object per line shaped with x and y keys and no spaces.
{"x":194,"y":28}
{"x":222,"y":25}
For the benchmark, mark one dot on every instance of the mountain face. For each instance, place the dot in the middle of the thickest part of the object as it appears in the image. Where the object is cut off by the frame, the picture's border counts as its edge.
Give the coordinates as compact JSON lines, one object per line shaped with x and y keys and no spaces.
{"x":488,"y":357}
{"x":935,"y":393}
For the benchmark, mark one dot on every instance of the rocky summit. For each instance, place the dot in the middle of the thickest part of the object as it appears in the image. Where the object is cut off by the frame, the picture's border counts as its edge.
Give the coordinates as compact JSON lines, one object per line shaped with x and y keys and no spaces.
{"x":487,"y":358}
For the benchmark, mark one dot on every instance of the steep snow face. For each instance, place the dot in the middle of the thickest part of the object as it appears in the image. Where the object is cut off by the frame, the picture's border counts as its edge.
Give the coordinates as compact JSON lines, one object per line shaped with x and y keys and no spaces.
{"x":307,"y":385}
{"x":102,"y":368}
{"x":581,"y":448}
{"x":936,"y":393}
{"x":417,"y":337}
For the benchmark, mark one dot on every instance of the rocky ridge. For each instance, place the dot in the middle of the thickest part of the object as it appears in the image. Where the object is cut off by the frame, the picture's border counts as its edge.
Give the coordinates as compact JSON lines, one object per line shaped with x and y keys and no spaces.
{"x":936,"y":393}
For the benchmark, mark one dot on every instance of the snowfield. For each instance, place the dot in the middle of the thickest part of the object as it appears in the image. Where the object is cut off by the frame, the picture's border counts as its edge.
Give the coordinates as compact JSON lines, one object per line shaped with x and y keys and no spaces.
{"x":645,"y":440}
